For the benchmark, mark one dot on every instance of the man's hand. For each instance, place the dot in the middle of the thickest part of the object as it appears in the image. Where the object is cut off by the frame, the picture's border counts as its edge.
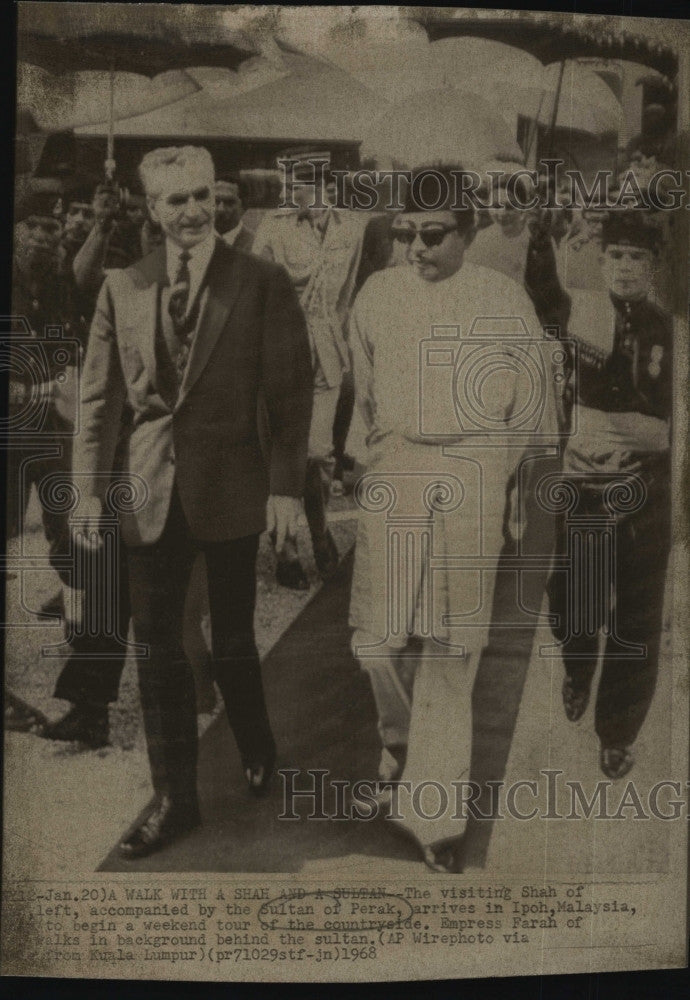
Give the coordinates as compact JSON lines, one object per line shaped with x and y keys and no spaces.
{"x":105,"y":207}
{"x":86,"y":528}
{"x":282,"y":516}
{"x":73,"y":601}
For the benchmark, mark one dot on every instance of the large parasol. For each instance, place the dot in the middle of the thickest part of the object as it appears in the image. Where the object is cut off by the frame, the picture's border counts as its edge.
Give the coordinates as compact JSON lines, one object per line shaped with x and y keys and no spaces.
{"x":552,"y":40}
{"x":441,"y":126}
{"x":58,"y":102}
{"x":521,"y":82}
{"x":143,"y":39}
{"x":557,"y":44}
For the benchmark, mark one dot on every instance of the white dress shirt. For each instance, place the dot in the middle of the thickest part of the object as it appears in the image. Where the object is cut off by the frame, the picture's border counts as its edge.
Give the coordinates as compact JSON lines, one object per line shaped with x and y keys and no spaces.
{"x":199,"y":259}
{"x":232,"y":234}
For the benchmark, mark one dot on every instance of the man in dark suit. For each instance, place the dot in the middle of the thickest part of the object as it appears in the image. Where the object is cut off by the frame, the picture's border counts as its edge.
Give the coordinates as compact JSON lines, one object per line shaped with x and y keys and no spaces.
{"x":231,"y":201}
{"x":182,"y":344}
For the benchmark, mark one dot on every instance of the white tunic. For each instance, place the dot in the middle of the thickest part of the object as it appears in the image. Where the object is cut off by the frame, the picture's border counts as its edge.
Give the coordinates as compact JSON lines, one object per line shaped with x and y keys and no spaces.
{"x":453,"y":382}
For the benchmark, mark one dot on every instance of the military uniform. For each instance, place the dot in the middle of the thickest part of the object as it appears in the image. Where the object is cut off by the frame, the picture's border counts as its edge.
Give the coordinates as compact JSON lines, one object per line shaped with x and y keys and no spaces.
{"x":619,"y":434}
{"x":321,"y":253}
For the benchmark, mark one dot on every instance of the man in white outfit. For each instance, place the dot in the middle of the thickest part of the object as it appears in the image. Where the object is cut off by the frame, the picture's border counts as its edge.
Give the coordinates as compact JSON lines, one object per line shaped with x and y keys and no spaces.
{"x":444,"y":359}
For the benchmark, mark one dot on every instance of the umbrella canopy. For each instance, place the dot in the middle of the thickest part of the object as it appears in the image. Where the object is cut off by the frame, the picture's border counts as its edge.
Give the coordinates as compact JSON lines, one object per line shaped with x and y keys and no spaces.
{"x":391,"y":70}
{"x":304,"y":98}
{"x":521,"y":83}
{"x":586,"y":102}
{"x":445,"y":125}
{"x":69,"y":100}
{"x":550,"y":40}
{"x":146,"y":39}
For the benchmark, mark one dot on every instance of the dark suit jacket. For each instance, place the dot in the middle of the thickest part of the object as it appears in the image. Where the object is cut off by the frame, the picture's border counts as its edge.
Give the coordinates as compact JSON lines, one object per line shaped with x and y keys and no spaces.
{"x":244,"y":240}
{"x":251,"y":340}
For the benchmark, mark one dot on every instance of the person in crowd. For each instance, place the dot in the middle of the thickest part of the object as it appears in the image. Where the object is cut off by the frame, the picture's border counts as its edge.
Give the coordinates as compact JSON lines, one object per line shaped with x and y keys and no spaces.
{"x":183,"y":342}
{"x":231,"y":202}
{"x":38,"y":300}
{"x":151,"y":236}
{"x":620,"y":433}
{"x":321,"y":250}
{"x":503,"y":240}
{"x":115,"y":239}
{"x":377,"y":253}
{"x":42,"y":296}
{"x":79,"y":215}
{"x":577,"y":257}
{"x":421,"y":670}
{"x":45,"y":295}
{"x":521,"y":243}
{"x":125,"y":236}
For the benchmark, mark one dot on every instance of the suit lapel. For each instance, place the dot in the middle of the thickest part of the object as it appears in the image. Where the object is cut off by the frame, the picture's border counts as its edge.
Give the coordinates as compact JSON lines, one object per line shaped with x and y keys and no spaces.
{"x":151,"y":276}
{"x":223,"y":286}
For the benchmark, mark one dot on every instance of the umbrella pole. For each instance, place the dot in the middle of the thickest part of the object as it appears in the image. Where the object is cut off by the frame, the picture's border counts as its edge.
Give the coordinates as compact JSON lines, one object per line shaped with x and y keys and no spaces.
{"x":533,"y":133}
{"x":554,"y":113}
{"x":110,"y":149}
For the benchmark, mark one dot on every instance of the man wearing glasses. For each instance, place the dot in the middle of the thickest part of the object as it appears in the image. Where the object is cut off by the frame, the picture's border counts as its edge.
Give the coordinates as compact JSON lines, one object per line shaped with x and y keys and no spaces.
{"x":421,"y":664}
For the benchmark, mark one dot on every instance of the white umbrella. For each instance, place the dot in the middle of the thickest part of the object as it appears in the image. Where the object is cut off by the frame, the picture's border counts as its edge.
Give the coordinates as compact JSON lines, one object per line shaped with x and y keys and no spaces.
{"x":510,"y":78}
{"x":586,"y":102}
{"x":81,"y":98}
{"x":444,"y":125}
{"x":302,"y":98}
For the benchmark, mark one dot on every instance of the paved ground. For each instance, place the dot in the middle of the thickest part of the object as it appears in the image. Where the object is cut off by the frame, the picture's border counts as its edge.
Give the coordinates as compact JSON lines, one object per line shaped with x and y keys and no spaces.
{"x":66,"y":809}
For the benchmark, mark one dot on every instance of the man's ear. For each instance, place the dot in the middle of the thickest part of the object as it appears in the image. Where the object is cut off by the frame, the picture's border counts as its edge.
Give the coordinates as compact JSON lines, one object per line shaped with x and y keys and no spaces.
{"x":150,"y":204}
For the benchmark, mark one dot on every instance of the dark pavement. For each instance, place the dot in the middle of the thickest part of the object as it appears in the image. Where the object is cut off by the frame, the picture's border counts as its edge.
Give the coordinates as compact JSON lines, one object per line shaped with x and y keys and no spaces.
{"x":324,"y":718}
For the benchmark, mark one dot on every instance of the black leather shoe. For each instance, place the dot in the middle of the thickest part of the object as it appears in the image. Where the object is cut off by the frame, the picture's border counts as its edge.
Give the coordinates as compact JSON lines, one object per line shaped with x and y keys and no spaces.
{"x":326,"y":555}
{"x":167,"y":821}
{"x":575,"y":699}
{"x":54,"y":606}
{"x":84,"y":723}
{"x":258,"y":777}
{"x":289,"y":573}
{"x":615,"y":762}
{"x":445,"y":857}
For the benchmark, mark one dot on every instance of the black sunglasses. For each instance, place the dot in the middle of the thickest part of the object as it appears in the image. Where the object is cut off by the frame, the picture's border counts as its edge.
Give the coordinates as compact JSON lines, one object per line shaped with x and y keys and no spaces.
{"x":431,"y":237}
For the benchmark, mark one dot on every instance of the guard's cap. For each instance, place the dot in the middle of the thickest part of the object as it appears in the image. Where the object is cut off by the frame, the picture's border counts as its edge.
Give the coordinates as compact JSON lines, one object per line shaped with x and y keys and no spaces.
{"x":308,"y":162}
{"x":37,"y":199}
{"x":631,"y":227}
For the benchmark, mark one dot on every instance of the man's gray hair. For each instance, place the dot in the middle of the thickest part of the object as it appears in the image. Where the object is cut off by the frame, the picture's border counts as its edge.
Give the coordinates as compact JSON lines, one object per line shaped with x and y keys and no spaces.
{"x":177,"y":156}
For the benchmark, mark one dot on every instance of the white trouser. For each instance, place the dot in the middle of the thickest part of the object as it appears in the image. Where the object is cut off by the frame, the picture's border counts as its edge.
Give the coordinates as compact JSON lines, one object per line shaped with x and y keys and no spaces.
{"x":424,"y":702}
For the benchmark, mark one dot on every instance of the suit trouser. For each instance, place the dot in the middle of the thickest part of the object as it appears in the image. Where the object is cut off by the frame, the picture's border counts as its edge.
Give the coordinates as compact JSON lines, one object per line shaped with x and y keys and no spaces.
{"x":627,"y":683}
{"x":159,"y":576}
{"x":343,"y":417}
{"x":91,"y":675}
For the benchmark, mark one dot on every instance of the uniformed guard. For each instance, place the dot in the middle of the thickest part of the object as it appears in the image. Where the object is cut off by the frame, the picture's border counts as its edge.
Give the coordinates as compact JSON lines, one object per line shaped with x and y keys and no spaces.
{"x":616,"y":531}
{"x":320,"y":246}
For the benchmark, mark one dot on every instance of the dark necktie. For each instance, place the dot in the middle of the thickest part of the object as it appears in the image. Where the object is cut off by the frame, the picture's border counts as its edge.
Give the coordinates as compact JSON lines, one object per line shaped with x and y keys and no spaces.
{"x":179,"y":298}
{"x":183,"y":324}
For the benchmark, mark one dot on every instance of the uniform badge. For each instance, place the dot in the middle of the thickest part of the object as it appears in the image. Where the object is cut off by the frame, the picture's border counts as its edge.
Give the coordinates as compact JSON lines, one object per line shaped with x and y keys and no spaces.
{"x":654,"y":368}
